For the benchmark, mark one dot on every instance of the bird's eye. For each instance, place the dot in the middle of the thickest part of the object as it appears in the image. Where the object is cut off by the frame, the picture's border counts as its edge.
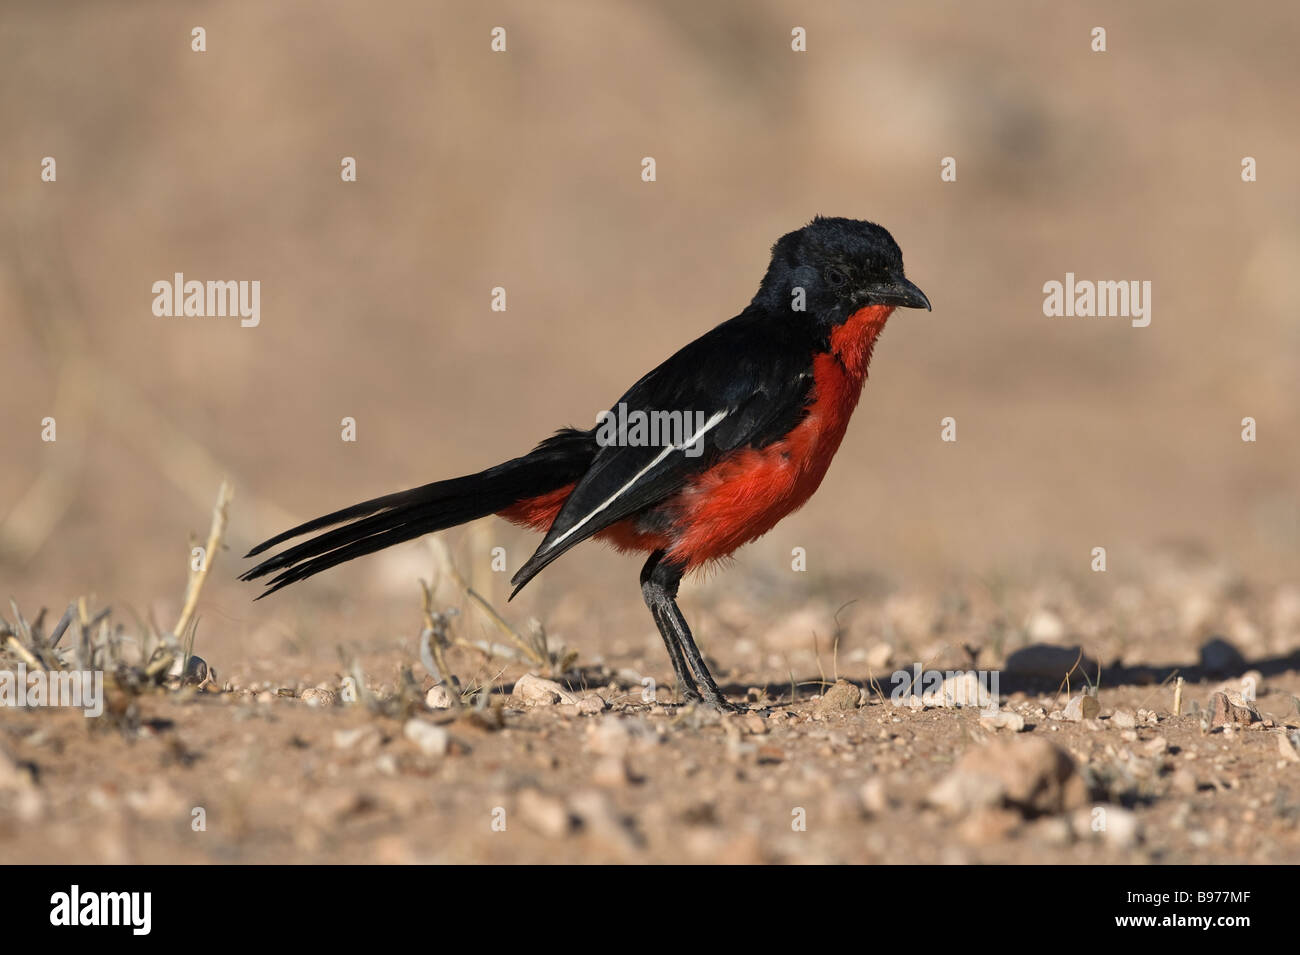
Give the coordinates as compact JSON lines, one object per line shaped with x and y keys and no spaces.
{"x":835,"y":277}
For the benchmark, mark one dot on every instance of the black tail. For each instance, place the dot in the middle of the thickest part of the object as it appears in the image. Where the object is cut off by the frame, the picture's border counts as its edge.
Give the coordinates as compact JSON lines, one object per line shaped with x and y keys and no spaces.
{"x":394,"y":518}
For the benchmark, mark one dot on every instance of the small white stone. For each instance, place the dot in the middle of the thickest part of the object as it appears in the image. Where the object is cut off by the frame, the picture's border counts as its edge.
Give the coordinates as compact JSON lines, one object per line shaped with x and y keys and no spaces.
{"x":965,"y":689}
{"x":534,"y":689}
{"x":1080,"y":708}
{"x":362,"y":737}
{"x":543,"y":813}
{"x":1123,"y":830}
{"x":438,"y":697}
{"x":1003,"y":719}
{"x":873,"y":796}
{"x":1124,"y":719}
{"x":316,"y":696}
{"x":432,"y":740}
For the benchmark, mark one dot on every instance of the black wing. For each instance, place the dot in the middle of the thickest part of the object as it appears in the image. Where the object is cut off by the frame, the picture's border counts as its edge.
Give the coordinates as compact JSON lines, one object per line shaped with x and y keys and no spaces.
{"x":748,"y":381}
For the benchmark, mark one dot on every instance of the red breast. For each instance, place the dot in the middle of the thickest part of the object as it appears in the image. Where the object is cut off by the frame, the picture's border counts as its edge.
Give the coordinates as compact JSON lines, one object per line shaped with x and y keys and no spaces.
{"x":744,"y":495}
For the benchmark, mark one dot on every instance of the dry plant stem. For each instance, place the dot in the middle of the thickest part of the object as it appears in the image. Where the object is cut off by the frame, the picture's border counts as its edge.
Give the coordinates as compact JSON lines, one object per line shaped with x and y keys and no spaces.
{"x":16,"y":645}
{"x":57,"y":633}
{"x":514,"y":636}
{"x":197,"y":577}
{"x":435,"y":645}
{"x":528,"y":650}
{"x":1065,"y":683}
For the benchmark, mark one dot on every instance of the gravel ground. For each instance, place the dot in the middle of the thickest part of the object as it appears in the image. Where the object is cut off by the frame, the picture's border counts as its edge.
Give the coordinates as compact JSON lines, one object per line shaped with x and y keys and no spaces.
{"x":280,"y":762}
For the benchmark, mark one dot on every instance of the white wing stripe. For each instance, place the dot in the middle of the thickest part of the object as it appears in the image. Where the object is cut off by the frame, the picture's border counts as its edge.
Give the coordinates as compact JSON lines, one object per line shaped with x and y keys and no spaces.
{"x":708,"y":425}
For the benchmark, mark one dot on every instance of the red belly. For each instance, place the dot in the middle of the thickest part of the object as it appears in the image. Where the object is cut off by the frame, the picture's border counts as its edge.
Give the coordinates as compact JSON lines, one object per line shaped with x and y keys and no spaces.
{"x":747,"y":493}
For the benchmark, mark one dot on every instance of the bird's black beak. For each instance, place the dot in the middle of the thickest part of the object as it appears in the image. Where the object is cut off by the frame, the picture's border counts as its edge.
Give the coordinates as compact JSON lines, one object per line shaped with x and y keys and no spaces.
{"x":898,"y":291}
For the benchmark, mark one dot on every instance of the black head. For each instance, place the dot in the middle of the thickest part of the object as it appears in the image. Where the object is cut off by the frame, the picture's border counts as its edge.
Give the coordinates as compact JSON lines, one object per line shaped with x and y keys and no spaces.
{"x":841,"y":265}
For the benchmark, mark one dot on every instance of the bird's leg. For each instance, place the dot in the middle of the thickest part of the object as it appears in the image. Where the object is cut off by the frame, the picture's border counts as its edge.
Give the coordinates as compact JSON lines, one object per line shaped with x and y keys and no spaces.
{"x":708,"y":689}
{"x":659,"y":585}
{"x":655,"y":598}
{"x":686,"y":682}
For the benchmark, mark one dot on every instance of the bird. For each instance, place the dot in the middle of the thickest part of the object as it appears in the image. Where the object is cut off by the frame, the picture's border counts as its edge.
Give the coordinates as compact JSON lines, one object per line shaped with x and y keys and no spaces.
{"x":762,"y":400}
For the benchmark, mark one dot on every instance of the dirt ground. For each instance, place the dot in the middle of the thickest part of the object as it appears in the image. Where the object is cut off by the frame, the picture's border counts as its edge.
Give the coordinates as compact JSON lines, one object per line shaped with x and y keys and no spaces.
{"x":521,"y":170}
{"x":281,"y":763}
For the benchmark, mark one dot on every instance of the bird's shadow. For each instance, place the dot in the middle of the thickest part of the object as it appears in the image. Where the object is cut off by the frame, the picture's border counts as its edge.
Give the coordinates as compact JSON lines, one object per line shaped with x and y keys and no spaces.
{"x":1112,"y":677}
{"x":1115,"y":675}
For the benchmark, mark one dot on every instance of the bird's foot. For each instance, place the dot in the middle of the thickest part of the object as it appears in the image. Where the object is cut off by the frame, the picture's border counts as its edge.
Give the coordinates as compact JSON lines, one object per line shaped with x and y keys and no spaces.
{"x":716,"y":701}
{"x":713,"y":701}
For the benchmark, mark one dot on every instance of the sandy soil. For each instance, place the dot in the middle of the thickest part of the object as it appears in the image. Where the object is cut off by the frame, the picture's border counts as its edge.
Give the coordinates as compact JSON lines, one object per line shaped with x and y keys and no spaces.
{"x":588,"y":771}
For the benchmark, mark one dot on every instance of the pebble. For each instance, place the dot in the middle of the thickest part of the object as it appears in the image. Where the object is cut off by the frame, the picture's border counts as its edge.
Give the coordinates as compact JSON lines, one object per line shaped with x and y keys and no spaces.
{"x":874,"y":798}
{"x":1080,"y":708}
{"x":318,"y":696}
{"x":196,"y":672}
{"x":1124,"y":719}
{"x":1003,"y":719}
{"x":432,"y":740}
{"x":1287,"y":749}
{"x":545,"y":814}
{"x":964,"y":689}
{"x":592,"y":704}
{"x":364,"y":738}
{"x":439,"y":697}
{"x":534,"y":689}
{"x":754,"y":724}
{"x":1155,"y":747}
{"x":1228,"y":708}
{"x":843,"y":697}
{"x":610,"y":771}
{"x":1123,"y":829}
{"x":1026,"y":773}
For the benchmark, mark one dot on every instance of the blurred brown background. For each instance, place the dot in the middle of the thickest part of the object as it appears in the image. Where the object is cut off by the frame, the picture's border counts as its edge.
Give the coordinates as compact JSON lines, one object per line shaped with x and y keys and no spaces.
{"x":522,"y":170}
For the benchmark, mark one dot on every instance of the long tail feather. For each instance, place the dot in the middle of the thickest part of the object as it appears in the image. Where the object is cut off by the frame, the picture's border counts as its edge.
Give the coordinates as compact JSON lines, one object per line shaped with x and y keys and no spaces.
{"x":394,"y":518}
